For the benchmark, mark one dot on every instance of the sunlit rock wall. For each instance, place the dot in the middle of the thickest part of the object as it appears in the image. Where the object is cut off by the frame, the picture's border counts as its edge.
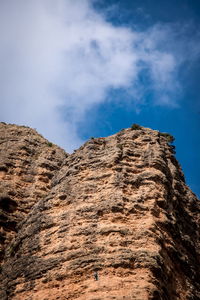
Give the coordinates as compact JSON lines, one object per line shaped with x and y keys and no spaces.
{"x":116,"y":221}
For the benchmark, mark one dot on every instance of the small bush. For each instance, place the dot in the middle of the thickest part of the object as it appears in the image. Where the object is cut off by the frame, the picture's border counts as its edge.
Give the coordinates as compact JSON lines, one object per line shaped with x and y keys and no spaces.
{"x":136,"y":127}
{"x":169,"y":137}
{"x":11,"y":250}
{"x":119,"y":146}
{"x":50,"y":144}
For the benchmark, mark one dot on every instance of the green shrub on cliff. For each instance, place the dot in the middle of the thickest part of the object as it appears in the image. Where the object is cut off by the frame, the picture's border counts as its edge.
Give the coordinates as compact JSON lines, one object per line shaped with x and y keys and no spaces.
{"x":169,"y":137}
{"x":136,"y":127}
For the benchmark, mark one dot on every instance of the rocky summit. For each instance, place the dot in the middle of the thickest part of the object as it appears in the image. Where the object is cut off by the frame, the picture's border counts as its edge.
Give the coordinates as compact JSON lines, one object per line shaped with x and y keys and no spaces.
{"x":113,"y":220}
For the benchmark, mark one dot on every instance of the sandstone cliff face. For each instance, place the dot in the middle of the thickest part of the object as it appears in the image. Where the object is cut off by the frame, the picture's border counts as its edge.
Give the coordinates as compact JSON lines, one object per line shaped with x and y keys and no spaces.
{"x":117,"y":222}
{"x":27,"y":164}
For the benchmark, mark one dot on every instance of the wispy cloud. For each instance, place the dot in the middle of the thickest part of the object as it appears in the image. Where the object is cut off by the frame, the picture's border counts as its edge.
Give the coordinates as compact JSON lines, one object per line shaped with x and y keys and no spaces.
{"x":59,"y":58}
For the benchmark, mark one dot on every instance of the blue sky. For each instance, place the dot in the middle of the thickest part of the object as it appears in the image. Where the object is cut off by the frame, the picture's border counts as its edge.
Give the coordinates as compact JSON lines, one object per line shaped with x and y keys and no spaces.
{"x":183,"y":122}
{"x":76,"y":69}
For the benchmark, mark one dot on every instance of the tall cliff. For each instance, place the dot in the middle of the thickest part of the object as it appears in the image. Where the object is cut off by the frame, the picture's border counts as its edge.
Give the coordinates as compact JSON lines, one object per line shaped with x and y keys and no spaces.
{"x":27,"y":164}
{"x":113,"y":220}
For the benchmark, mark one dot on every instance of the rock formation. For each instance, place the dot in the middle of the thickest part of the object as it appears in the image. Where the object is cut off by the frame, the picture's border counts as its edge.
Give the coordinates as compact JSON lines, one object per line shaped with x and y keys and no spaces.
{"x":28,"y":163}
{"x":113,"y":220}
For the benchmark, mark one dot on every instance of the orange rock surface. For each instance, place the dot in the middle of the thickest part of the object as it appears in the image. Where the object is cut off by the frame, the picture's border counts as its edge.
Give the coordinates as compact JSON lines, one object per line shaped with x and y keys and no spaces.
{"x":27,"y":164}
{"x":114,"y":220}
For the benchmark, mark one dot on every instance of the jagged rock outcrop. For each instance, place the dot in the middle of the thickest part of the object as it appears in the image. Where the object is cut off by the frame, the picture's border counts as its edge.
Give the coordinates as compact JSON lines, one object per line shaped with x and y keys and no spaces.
{"x":117,"y":222}
{"x":27,"y":164}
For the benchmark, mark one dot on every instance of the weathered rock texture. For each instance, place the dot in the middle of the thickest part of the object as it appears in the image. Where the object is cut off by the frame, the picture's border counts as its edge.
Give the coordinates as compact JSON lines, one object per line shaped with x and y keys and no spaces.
{"x":27,"y":164}
{"x":116,"y":221}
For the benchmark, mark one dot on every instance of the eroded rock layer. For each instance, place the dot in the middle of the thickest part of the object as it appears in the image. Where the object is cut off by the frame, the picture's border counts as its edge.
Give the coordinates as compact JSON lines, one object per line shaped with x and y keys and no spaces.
{"x":118,"y":222}
{"x":28,"y":163}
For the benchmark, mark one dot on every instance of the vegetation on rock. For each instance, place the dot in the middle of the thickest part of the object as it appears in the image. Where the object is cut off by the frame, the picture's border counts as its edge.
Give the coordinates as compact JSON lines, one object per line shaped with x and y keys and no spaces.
{"x":169,"y":137}
{"x":136,"y":127}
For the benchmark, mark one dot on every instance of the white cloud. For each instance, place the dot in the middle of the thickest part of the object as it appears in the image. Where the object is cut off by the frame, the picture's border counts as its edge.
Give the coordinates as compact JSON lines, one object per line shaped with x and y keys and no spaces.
{"x":59,"y":58}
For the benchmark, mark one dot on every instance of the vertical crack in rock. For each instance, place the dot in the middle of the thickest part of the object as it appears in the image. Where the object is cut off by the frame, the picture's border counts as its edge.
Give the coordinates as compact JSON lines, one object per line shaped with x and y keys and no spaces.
{"x":113,"y":220}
